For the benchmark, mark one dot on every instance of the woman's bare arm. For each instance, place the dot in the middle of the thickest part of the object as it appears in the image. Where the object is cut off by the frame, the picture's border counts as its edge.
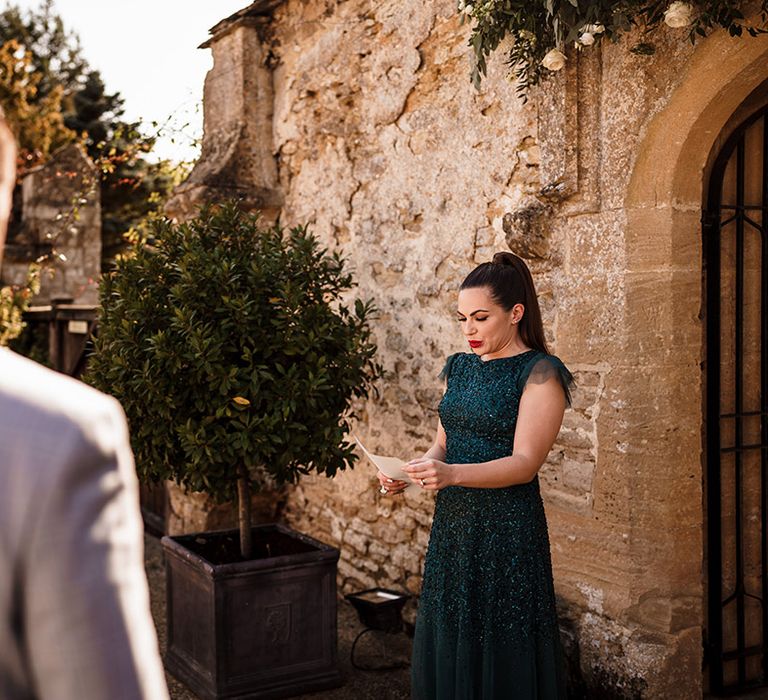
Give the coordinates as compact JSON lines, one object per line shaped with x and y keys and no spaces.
{"x":437,"y":450}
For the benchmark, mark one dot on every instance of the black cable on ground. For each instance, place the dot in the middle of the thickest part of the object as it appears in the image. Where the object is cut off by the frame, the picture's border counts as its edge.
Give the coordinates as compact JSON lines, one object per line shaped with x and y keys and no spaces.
{"x":390,"y":667}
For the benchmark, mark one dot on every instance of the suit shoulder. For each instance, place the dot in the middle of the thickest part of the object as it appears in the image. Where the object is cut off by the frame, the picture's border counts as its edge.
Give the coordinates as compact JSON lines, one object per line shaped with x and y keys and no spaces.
{"x":54,"y":430}
{"x":28,"y":388}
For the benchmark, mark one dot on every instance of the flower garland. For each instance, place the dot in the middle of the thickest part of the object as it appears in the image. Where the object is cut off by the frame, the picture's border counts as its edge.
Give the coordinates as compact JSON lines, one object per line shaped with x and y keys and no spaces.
{"x":539,"y":31}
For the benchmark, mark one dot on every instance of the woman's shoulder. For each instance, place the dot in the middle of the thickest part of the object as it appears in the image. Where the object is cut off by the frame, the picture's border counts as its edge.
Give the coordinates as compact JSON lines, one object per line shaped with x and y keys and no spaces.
{"x":545,"y":359}
{"x":541,"y":367}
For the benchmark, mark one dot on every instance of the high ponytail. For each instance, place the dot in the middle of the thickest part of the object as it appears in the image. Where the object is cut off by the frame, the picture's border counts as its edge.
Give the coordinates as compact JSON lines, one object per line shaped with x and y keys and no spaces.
{"x":510,"y":282}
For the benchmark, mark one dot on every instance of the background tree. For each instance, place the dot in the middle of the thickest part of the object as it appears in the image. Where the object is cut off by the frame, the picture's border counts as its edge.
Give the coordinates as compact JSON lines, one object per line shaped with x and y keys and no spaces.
{"x":68,"y":93}
{"x":37,"y":122}
{"x":93,"y":112}
{"x":132,"y":186}
{"x":55,"y":52}
{"x":52,"y":97}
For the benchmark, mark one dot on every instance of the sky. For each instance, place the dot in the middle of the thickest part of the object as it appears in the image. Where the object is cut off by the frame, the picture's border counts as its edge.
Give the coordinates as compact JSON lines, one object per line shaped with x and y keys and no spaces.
{"x":147,"y":51}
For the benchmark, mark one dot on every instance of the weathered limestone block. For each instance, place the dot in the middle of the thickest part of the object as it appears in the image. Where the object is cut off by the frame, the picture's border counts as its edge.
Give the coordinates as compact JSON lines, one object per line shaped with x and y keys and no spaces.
{"x":351,"y":579}
{"x":578,"y":475}
{"x":363,"y":563}
{"x":633,"y":663}
{"x":413,"y":584}
{"x":378,"y":550}
{"x":528,"y":231}
{"x":237,"y":159}
{"x":356,"y":541}
{"x":60,"y":214}
{"x":407,"y":557}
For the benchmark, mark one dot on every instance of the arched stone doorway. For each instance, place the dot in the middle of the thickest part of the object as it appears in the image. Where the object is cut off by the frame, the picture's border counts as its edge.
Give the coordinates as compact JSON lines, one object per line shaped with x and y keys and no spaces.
{"x":667,"y":194}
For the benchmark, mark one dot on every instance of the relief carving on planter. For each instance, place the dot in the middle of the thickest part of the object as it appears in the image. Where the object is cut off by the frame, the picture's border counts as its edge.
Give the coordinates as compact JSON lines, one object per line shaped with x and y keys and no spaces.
{"x":278,"y":623}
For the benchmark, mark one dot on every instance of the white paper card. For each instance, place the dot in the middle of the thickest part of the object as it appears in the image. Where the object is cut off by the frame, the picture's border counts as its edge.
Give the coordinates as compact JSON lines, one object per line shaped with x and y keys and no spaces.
{"x":391,"y":466}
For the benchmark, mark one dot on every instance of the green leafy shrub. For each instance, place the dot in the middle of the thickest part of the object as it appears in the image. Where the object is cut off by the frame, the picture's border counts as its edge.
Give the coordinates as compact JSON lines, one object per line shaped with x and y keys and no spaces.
{"x":14,"y":301}
{"x":233,"y":353}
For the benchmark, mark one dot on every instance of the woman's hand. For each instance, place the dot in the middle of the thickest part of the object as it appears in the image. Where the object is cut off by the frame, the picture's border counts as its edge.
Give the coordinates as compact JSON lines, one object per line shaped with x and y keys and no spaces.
{"x":430,"y":474}
{"x":392,"y":486}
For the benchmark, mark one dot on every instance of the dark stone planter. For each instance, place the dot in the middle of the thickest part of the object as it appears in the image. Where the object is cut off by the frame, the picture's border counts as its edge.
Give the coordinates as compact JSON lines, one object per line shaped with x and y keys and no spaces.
{"x":264,"y":628}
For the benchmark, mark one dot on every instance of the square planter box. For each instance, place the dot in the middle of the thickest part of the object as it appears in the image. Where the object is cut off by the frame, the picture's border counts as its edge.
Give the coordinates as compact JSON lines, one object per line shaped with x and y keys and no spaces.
{"x":264,"y":628}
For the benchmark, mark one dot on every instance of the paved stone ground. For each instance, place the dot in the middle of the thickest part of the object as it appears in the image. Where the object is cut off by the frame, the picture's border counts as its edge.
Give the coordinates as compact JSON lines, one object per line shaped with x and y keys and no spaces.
{"x":374,"y":648}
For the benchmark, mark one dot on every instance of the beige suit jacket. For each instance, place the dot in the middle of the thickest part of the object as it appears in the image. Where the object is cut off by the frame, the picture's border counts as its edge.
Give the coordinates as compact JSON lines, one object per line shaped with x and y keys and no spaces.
{"x":74,"y":604}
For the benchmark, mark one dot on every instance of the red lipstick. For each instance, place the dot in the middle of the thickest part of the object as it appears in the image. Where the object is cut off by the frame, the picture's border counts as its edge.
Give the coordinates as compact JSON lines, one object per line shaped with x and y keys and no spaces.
{"x":475,"y":343}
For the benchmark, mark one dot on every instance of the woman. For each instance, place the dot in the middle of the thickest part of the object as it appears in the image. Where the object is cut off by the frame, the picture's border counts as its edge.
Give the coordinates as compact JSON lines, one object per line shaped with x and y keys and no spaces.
{"x":486,"y":627}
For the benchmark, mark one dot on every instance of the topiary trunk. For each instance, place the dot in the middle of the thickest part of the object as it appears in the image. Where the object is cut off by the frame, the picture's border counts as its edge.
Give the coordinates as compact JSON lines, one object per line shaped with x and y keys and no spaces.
{"x":244,"y":513}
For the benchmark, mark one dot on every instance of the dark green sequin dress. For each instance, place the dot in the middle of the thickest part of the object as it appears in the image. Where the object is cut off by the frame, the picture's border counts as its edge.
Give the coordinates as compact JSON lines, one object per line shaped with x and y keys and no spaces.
{"x":486,"y":627}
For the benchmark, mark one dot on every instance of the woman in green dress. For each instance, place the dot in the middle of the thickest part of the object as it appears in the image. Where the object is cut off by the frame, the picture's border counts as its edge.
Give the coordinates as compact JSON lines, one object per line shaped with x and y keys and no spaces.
{"x":486,"y":627}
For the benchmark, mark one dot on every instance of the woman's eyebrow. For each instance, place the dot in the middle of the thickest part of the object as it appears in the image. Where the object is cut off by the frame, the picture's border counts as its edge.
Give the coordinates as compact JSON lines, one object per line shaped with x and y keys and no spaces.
{"x":474,"y":312}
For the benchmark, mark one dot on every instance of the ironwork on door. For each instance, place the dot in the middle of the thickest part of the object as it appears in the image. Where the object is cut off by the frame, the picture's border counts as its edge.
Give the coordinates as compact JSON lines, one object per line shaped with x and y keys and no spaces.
{"x":736,"y":274}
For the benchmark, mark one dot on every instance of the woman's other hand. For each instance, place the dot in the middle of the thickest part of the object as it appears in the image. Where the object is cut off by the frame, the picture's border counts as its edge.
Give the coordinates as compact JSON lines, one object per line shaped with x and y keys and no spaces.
{"x":430,"y":474}
{"x":392,"y":486}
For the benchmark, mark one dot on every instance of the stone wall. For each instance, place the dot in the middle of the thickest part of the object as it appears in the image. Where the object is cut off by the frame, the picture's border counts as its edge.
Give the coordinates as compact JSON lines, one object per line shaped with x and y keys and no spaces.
{"x":60,"y":219}
{"x":380,"y":142}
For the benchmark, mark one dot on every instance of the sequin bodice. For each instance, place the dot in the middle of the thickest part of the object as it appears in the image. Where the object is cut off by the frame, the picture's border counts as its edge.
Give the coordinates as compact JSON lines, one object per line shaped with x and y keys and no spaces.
{"x":479,"y":408}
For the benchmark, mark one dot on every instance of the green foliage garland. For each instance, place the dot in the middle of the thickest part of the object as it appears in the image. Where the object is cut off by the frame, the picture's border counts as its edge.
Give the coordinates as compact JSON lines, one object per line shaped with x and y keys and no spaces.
{"x":540,"y":28}
{"x":229,"y":345}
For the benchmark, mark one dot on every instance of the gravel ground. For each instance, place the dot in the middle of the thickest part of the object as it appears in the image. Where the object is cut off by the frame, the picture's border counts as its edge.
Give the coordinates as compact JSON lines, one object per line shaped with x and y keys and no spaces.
{"x":375,"y":648}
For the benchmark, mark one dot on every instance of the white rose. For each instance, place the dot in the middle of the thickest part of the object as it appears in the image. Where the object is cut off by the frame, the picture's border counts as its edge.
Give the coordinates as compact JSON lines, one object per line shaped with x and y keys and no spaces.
{"x":586,"y":39}
{"x":554,"y":60}
{"x":468,"y":8}
{"x":679,"y":14}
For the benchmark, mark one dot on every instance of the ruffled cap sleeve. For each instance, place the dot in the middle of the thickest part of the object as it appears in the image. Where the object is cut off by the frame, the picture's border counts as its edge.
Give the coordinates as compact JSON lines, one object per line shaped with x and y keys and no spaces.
{"x":541,"y":368}
{"x":446,"y":371}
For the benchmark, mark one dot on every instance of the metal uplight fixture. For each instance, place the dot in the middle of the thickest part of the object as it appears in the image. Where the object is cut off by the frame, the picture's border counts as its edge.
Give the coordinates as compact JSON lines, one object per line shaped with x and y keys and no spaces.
{"x":379,"y":609}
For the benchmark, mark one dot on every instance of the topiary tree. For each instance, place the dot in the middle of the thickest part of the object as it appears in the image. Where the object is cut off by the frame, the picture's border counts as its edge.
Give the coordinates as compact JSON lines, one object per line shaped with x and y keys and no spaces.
{"x":234,"y":355}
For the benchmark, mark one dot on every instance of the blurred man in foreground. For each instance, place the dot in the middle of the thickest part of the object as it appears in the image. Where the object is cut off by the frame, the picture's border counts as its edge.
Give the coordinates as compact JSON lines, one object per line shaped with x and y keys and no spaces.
{"x":74,"y":604}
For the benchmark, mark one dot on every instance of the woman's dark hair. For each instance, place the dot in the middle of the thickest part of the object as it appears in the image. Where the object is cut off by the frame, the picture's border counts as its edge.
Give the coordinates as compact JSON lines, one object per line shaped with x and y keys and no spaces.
{"x":510,"y":282}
